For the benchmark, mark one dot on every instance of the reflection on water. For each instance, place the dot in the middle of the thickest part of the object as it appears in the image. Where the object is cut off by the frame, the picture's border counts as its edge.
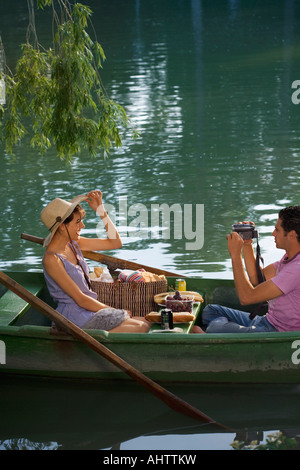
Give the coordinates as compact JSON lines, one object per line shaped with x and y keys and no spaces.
{"x":54,"y":414}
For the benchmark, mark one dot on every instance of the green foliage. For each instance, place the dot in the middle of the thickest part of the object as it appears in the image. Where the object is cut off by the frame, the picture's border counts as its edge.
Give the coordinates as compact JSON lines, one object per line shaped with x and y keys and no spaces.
{"x":276,"y":441}
{"x":56,"y":95}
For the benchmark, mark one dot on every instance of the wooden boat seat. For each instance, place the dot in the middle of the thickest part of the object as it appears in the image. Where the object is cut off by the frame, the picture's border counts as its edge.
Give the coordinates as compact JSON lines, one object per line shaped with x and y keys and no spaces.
{"x":12,"y":306}
{"x":228,"y":297}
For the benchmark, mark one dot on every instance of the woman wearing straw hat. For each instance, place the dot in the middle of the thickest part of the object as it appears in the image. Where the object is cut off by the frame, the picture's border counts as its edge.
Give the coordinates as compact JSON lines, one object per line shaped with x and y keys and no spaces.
{"x":67,"y":273}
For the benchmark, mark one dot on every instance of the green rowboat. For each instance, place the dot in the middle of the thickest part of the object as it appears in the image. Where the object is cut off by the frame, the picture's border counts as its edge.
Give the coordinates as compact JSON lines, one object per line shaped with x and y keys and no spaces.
{"x":28,"y":348}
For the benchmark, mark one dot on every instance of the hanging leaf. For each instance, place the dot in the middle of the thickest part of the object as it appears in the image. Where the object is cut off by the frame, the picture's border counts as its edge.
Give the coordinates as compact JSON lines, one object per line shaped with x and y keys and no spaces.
{"x":56,"y":95}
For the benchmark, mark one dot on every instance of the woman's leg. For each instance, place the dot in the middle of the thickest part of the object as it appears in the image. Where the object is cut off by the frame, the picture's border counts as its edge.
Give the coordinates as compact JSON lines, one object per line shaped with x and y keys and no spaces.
{"x":117,"y":321}
{"x":132,"y":325}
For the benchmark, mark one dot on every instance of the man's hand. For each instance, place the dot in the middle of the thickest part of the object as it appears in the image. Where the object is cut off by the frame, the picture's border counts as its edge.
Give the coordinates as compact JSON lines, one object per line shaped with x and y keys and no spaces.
{"x":235,"y":244}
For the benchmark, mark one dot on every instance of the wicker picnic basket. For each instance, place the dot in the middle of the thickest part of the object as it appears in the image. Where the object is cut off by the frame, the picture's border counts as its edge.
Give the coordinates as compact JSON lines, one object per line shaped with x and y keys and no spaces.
{"x":138,"y":297}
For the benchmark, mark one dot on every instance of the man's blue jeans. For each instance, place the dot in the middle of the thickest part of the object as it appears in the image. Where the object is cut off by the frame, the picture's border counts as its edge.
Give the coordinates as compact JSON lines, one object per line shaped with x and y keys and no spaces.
{"x":220,"y":319}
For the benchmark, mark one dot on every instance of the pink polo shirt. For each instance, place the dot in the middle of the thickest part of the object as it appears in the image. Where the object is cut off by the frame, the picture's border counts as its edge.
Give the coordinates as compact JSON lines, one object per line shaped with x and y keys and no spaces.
{"x":284,"y":311}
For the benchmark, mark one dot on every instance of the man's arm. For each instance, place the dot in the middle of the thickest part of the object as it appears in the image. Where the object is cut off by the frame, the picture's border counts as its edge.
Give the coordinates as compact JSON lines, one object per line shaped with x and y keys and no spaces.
{"x":250,"y":264}
{"x":247,"y":293}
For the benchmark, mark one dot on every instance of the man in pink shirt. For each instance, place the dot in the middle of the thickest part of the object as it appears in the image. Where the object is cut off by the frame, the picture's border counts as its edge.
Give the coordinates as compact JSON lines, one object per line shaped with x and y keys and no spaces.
{"x":281,"y":287}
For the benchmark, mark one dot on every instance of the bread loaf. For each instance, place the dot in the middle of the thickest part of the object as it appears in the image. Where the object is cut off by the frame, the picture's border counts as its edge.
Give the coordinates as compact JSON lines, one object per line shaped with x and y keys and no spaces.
{"x":178,"y":317}
{"x":98,"y":270}
{"x":152,"y":277}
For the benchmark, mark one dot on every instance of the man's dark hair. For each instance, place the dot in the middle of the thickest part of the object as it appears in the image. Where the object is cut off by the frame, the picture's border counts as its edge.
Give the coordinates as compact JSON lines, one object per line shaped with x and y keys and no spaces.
{"x":290,"y":219}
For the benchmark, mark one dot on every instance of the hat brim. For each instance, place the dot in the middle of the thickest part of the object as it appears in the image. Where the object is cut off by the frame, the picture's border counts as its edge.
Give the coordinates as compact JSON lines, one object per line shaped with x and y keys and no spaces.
{"x":74,"y":202}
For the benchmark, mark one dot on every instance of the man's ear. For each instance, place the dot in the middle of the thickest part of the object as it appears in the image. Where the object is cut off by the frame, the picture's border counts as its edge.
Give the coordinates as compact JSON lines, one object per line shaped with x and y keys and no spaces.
{"x":293,"y":235}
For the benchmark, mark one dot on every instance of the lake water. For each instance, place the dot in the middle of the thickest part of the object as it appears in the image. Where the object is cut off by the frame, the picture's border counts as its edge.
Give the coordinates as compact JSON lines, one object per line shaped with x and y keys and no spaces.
{"x":209,"y":86}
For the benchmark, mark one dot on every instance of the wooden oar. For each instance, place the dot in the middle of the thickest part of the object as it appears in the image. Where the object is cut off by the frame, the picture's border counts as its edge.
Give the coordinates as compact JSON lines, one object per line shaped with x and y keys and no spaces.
{"x":110,"y":261}
{"x":167,"y":397}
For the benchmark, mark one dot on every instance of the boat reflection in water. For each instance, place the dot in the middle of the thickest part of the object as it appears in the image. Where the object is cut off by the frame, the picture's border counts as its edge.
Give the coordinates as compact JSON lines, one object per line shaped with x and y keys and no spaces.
{"x":90,"y":415}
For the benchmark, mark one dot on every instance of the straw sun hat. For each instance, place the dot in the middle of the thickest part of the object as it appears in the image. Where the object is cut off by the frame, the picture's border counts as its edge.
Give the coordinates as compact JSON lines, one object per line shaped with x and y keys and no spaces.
{"x":56,"y":212}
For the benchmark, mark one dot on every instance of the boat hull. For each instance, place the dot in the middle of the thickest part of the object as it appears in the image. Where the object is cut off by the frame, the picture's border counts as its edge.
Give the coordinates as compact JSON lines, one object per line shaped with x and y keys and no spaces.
{"x":192,"y":358}
{"x":206,"y":358}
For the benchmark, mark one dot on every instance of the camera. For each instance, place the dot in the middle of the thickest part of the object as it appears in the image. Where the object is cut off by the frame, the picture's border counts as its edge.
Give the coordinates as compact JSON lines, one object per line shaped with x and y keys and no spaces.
{"x":246,"y":231}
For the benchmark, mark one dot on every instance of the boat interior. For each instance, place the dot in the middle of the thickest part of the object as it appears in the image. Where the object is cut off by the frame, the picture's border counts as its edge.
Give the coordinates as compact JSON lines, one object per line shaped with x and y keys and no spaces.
{"x":15,"y":311}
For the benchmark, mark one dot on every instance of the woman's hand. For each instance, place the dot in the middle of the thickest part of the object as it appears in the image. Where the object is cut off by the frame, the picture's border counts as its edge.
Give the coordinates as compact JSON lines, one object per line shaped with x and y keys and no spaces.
{"x":113,"y":240}
{"x":94,"y":199}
